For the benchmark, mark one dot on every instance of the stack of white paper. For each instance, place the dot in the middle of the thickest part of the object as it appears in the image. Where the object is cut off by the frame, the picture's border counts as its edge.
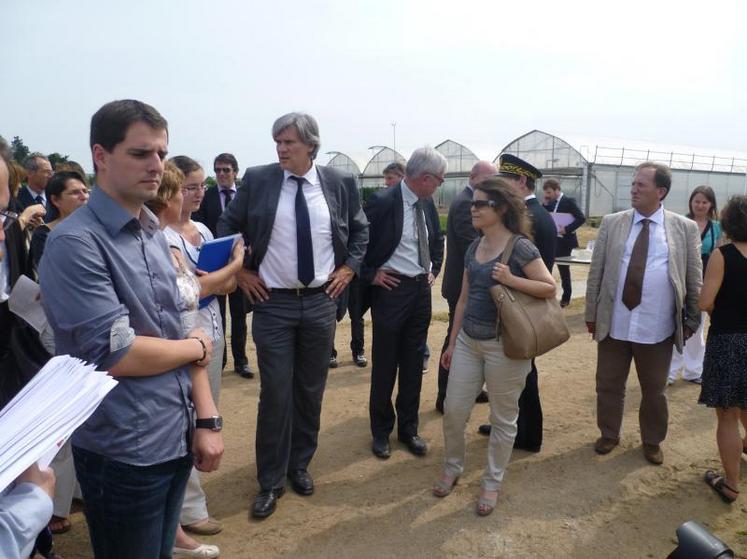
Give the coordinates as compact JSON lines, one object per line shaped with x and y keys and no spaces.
{"x":55,"y":402}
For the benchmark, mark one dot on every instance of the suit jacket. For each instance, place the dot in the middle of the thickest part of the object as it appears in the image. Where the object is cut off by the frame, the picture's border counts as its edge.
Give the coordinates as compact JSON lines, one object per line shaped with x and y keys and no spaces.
{"x":210,"y":210}
{"x":685,"y":271}
{"x":386,"y":216}
{"x":252,"y":213}
{"x":459,"y":235}
{"x":24,"y":199}
{"x":543,"y":230}
{"x":568,"y":205}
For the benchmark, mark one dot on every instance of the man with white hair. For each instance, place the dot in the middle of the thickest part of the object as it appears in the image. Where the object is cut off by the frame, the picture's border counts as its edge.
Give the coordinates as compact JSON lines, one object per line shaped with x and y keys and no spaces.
{"x":404,"y":255}
{"x":307,"y":235}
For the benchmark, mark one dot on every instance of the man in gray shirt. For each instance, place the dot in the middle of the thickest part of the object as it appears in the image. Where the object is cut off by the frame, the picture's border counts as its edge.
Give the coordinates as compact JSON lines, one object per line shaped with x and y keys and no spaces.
{"x":109,"y":289}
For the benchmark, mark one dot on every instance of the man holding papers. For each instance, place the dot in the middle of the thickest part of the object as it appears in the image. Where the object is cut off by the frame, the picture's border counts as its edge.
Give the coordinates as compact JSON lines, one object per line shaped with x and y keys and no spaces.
{"x":109,"y":290}
{"x":568,"y":217}
{"x":306,"y":235}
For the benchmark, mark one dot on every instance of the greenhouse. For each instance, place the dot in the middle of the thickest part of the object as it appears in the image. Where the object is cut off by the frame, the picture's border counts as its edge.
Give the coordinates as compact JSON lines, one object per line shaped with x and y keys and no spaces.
{"x":597,"y":172}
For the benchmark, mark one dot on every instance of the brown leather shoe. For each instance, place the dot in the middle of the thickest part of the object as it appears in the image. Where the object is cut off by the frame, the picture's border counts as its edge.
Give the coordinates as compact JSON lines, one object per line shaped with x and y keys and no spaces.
{"x":604,"y":445}
{"x":653,"y":453}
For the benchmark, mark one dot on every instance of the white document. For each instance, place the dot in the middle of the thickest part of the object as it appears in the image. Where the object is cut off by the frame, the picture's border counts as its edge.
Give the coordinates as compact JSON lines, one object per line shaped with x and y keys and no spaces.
{"x":43,"y":415}
{"x":25,"y":301}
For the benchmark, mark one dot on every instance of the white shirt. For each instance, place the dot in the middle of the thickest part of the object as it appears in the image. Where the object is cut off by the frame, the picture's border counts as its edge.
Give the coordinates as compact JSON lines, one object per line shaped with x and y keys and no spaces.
{"x":35,"y":194}
{"x":652,"y":321}
{"x":405,"y":259}
{"x":279,"y":267}
{"x":4,"y":272}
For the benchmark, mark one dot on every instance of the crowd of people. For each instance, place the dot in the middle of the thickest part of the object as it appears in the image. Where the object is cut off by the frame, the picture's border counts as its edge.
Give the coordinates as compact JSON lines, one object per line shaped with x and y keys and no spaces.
{"x":117,"y":262}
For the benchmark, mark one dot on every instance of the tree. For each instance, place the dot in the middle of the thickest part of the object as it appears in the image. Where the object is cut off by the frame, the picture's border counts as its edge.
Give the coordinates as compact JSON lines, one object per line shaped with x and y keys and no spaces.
{"x":210,"y":181}
{"x":55,"y":159}
{"x":19,"y":149}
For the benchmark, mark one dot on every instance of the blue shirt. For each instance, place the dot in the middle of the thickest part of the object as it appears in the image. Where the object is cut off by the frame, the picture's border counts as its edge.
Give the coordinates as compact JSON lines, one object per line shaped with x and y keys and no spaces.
{"x":105,"y":278}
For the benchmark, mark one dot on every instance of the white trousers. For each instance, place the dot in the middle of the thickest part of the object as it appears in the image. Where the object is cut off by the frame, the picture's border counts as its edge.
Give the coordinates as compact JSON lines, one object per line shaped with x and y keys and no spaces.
{"x":691,"y":359}
{"x":194,"y":508}
{"x":473,"y":363}
{"x":65,"y":486}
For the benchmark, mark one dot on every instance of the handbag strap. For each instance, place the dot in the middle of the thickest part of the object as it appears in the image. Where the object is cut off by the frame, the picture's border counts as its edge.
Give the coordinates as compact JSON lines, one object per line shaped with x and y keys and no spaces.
{"x":509,"y":249}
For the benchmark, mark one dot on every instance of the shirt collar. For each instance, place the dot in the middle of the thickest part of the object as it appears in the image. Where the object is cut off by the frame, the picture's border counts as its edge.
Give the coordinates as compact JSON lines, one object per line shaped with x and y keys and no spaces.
{"x":408,"y":195}
{"x":35,"y":194}
{"x":529,"y":197}
{"x":232,"y":188}
{"x":115,"y":218}
{"x":656,"y":217}
{"x":311,"y":175}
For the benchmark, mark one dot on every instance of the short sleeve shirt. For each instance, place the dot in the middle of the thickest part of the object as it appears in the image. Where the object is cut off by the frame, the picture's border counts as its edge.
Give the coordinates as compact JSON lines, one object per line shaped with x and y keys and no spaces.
{"x":480,"y":315}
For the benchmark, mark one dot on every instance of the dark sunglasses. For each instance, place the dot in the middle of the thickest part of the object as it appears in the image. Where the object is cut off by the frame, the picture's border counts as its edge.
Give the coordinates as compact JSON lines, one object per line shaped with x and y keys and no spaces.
{"x":225,"y":170}
{"x":479,"y":204}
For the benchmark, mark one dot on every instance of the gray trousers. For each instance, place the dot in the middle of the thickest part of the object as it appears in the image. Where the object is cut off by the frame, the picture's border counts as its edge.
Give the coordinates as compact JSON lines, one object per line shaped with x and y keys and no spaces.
{"x":294,"y":336}
{"x":613,"y":366}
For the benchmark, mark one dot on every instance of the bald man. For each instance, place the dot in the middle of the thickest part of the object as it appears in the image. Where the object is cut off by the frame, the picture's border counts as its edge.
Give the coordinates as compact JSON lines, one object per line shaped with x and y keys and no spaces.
{"x":459,"y":235}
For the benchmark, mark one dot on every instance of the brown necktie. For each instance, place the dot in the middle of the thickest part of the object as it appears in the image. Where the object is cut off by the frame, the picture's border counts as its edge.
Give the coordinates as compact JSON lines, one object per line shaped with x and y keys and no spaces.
{"x":631,"y":296}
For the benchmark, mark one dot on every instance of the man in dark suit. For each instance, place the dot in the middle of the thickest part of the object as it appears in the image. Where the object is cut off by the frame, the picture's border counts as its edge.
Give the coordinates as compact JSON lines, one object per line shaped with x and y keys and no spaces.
{"x":404,"y":255}
{"x":213,"y":204}
{"x":557,"y":202}
{"x":522,"y":177}
{"x":38,"y":172}
{"x":292,"y":277}
{"x":459,"y":235}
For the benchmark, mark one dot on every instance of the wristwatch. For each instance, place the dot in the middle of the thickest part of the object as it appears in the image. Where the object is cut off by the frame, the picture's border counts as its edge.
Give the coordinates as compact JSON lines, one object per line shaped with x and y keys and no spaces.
{"x":214,"y":423}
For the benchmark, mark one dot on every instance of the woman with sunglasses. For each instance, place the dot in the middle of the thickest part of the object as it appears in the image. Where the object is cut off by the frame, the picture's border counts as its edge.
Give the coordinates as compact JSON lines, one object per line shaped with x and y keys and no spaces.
{"x":474,"y":355}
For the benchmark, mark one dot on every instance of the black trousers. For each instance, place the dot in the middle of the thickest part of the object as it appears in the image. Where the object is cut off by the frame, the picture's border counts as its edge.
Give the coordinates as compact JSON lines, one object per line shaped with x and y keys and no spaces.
{"x":358,"y":303}
{"x":400,"y":330}
{"x":529,"y":423}
{"x":563,"y":249}
{"x":239,"y":307}
{"x":294,"y":337}
{"x":443,"y":374}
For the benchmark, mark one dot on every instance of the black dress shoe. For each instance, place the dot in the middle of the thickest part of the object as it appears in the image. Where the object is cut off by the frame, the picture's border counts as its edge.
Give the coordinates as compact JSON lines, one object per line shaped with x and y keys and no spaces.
{"x":333,"y":362}
{"x":484,"y":429}
{"x":244,"y":371}
{"x":482,"y":397}
{"x":360,"y":360}
{"x":301,"y":482}
{"x":565,"y":302}
{"x":520,"y":446}
{"x":415,"y":444}
{"x":266,"y":502}
{"x":380,"y":448}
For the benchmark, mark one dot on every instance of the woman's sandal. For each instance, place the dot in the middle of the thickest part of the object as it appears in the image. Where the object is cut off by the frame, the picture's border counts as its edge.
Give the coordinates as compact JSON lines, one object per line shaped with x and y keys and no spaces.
{"x":486,"y":505}
{"x":59,"y":525}
{"x":716,"y":482}
{"x":443,"y":486}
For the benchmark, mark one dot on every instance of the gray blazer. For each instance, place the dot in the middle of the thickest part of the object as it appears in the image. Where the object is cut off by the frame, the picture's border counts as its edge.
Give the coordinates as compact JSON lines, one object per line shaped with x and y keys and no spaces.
{"x":685,"y":271}
{"x":252,"y":213}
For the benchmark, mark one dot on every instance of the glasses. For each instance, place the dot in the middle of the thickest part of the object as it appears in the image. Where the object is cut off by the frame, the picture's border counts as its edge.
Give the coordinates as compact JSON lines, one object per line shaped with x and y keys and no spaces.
{"x":8,"y":219}
{"x":439,"y":179}
{"x":224,"y":170}
{"x":193,"y":189}
{"x":479,"y":204}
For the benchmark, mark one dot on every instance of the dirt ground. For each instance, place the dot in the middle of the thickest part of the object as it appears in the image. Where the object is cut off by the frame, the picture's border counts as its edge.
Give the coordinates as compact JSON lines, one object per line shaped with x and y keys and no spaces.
{"x":565,"y":501}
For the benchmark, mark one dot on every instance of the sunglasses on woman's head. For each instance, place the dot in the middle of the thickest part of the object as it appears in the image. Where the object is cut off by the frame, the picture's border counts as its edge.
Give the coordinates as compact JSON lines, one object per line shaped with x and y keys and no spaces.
{"x":479,"y":204}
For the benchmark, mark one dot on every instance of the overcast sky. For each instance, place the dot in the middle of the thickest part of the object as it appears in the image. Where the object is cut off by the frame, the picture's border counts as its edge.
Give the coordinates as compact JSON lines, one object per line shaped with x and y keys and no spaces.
{"x":478,"y":72}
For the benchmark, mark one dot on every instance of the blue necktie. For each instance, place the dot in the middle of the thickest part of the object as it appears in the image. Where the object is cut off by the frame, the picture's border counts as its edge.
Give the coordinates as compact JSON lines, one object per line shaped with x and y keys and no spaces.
{"x":303,"y":236}
{"x":39,"y":199}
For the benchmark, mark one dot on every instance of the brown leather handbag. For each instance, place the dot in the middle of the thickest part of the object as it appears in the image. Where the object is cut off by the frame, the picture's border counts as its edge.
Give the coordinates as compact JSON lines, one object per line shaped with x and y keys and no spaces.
{"x":527,"y":326}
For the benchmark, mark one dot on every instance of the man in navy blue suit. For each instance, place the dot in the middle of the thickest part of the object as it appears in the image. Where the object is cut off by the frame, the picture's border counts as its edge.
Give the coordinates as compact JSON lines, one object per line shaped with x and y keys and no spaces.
{"x":38,"y":172}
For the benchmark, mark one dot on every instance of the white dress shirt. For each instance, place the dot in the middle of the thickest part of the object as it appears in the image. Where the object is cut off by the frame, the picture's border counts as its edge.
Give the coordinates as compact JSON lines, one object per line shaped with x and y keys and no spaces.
{"x":279,"y":267}
{"x":405,"y":258}
{"x":4,"y":272}
{"x":652,"y":321}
